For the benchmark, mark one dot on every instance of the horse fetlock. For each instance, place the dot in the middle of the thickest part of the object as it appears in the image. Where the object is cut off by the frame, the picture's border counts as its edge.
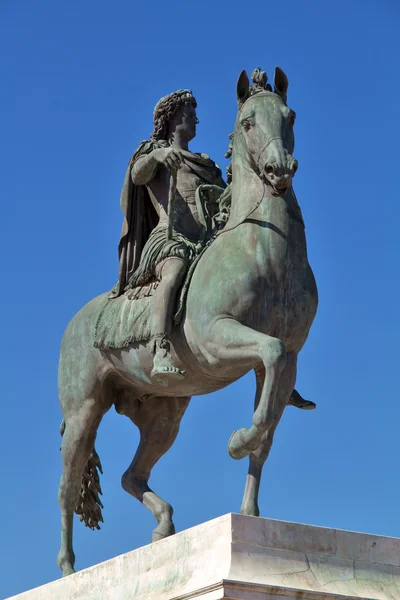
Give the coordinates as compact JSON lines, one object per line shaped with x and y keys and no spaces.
{"x":164,"y":529}
{"x":66,"y":563}
{"x":163,"y":513}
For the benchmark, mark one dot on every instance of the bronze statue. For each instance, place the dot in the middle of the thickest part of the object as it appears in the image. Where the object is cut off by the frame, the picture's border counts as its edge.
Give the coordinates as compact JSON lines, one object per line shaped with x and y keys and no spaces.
{"x":247,"y":301}
{"x":162,"y":256}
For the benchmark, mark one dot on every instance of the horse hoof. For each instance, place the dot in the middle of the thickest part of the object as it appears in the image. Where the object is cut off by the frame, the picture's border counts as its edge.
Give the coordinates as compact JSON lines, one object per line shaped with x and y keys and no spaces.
{"x":162,"y":531}
{"x":68,"y":571}
{"x":237,"y":445}
{"x":251,"y":510}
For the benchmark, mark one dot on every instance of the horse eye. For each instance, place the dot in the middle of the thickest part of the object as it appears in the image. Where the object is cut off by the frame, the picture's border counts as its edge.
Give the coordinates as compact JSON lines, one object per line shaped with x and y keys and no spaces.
{"x":246,"y":124}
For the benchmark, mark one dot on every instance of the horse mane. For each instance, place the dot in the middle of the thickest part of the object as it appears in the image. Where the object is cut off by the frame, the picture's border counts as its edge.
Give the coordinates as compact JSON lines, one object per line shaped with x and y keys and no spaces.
{"x":229,"y":155}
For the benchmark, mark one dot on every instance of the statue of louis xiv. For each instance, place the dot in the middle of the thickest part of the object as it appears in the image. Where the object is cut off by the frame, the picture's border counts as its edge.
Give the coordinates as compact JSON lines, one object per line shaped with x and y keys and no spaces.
{"x":165,"y":224}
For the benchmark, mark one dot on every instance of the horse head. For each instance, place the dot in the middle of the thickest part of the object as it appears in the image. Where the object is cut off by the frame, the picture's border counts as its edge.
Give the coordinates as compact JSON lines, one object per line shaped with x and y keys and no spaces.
{"x":264,"y":127}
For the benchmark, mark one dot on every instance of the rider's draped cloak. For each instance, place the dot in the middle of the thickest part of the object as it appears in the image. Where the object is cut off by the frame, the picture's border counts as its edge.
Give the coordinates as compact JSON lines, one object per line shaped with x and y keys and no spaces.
{"x":140,"y":217}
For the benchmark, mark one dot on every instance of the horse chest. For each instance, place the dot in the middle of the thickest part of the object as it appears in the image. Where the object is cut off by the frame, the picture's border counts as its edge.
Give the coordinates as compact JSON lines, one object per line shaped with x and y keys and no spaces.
{"x":274,"y":243}
{"x":284,"y":278}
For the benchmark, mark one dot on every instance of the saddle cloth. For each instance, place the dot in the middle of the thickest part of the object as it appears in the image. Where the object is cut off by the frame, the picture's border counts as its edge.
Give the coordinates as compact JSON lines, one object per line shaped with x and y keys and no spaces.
{"x":126,"y":320}
{"x":122,"y":322}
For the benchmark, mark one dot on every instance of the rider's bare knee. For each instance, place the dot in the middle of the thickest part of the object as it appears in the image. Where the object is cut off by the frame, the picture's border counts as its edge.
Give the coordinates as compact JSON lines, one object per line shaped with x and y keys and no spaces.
{"x":173,"y":270}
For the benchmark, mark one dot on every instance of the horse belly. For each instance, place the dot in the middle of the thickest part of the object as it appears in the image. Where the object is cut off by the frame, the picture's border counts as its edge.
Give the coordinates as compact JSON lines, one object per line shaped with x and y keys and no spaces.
{"x":133,"y":366}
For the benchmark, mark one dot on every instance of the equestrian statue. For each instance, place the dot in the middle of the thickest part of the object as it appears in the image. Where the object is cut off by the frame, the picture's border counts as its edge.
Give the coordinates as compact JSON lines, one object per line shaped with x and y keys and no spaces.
{"x":214,"y":281}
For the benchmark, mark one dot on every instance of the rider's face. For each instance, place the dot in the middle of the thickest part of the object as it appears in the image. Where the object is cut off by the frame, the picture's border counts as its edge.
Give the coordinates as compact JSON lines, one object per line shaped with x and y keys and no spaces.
{"x":186,"y":120}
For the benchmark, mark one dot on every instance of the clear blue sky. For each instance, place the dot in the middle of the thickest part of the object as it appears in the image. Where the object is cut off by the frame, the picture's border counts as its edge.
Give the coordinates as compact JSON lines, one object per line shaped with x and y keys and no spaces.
{"x":79,"y":82}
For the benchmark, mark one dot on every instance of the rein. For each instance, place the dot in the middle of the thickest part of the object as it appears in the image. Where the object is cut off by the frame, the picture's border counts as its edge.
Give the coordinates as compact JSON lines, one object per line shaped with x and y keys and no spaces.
{"x":257,"y":160}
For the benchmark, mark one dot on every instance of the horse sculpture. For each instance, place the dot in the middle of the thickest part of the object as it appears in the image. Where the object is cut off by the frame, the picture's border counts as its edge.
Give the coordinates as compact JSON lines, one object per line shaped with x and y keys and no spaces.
{"x":250,"y":305}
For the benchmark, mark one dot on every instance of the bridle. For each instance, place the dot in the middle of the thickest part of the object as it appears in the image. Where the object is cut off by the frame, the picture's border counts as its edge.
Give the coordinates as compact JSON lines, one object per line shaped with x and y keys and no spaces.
{"x":256,"y":157}
{"x":259,"y":154}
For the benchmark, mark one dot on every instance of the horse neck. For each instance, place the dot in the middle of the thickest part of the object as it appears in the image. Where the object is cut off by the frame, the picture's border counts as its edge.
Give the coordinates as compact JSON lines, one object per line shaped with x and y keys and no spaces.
{"x":247,"y":190}
{"x":250,"y":195}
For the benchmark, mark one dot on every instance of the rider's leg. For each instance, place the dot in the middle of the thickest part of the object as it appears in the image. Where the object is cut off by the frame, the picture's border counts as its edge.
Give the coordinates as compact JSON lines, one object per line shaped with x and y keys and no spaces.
{"x":172,"y":272}
{"x":299,"y":402}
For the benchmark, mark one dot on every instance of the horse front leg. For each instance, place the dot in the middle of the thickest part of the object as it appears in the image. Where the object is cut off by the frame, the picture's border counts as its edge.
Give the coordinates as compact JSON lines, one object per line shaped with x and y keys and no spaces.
{"x":250,"y":497}
{"x":260,"y":455}
{"x":232,"y":345}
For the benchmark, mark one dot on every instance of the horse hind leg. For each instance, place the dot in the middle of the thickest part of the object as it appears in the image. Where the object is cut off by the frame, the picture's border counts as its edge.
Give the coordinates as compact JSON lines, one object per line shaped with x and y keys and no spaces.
{"x":158,"y":420}
{"x":259,"y":456}
{"x":79,"y":434}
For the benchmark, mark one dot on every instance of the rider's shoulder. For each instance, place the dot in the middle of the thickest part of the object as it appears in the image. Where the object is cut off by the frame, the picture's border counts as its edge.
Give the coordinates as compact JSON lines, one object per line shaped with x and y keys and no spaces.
{"x":146,"y":147}
{"x":205,"y":157}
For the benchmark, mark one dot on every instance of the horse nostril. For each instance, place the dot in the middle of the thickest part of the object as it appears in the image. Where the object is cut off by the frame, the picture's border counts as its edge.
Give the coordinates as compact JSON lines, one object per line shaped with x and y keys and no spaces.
{"x":269,"y":170}
{"x":295,"y":167}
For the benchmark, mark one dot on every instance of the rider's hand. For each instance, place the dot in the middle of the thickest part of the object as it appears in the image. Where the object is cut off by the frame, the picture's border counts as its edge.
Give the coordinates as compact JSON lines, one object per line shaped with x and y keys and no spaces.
{"x":169,"y":157}
{"x":211,"y":193}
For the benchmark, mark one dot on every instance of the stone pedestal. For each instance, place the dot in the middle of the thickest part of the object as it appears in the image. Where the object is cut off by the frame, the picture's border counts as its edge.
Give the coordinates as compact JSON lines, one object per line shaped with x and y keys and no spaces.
{"x":242,"y":558}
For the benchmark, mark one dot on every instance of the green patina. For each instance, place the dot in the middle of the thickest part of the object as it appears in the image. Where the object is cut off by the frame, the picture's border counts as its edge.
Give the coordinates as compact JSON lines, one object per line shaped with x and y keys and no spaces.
{"x":251,"y":298}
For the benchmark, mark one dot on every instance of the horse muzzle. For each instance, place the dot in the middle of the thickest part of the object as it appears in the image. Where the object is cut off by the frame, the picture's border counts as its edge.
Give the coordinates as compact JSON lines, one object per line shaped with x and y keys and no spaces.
{"x":276,"y":166}
{"x":280,"y":177}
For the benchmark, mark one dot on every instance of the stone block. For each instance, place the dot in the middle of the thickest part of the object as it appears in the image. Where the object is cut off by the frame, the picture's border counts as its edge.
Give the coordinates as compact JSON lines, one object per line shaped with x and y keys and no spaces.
{"x":236,"y":557}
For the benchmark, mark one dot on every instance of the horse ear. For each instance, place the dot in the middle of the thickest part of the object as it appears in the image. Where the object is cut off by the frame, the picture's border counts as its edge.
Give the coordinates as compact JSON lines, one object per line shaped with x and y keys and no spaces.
{"x":281,"y":83}
{"x":242,"y":87}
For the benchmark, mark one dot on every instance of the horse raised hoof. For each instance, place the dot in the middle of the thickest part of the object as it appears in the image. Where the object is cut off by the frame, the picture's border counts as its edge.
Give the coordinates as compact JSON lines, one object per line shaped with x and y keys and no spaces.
{"x":241,"y":444}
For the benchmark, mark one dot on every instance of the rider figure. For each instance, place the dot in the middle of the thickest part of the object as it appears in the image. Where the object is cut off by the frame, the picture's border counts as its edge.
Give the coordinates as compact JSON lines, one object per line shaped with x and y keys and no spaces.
{"x":147,"y":256}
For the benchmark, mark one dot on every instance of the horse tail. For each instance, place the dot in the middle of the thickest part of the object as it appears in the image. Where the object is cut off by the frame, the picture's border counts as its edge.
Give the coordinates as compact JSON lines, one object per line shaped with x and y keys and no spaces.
{"x":89,"y":505}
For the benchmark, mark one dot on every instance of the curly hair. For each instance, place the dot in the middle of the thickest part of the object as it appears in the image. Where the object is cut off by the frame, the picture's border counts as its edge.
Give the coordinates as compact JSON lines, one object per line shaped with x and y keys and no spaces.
{"x":165,"y":110}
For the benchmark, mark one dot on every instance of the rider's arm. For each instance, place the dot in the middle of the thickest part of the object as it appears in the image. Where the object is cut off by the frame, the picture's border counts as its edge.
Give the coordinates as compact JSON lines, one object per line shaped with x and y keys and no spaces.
{"x":144,"y":169}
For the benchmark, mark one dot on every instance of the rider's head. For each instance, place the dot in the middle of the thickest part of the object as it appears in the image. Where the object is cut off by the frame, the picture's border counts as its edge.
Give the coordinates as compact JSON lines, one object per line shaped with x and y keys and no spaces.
{"x":175,"y":112}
